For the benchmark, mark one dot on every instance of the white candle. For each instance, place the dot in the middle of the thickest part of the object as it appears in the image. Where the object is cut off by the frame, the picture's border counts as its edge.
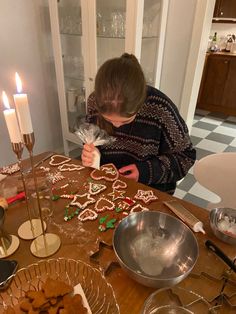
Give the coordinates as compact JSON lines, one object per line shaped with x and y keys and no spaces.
{"x":11,"y":121}
{"x":22,"y":108}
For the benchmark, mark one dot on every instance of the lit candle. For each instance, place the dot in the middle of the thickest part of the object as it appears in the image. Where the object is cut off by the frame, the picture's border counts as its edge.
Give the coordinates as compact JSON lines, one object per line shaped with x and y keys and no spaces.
{"x":11,"y":121}
{"x":22,"y":108}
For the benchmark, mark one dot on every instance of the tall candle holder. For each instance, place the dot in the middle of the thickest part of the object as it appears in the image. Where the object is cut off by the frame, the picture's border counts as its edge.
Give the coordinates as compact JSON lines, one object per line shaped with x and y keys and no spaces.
{"x":31,"y":228}
{"x":45,"y":244}
{"x":9,"y":243}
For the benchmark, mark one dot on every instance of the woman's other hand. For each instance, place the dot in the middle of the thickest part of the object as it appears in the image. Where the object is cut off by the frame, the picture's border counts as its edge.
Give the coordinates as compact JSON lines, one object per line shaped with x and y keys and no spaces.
{"x":87,"y":155}
{"x":130,"y":172}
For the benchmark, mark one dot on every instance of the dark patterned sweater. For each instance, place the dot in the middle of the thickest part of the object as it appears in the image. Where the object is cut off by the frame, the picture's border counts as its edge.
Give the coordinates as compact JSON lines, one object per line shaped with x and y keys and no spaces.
{"x":157,"y":141}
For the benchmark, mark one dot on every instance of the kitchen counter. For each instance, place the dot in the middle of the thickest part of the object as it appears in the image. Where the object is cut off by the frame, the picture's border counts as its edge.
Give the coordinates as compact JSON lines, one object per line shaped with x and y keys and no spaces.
{"x":221,"y":53}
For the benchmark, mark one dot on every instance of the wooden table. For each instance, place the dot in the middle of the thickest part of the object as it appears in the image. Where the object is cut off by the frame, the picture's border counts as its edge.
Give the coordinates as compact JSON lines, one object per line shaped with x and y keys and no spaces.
{"x":80,"y":240}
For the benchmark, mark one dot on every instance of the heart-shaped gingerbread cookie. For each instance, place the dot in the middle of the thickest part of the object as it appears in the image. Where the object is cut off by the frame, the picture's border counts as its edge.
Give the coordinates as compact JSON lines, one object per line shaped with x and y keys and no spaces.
{"x":104,"y":204}
{"x":57,"y":160}
{"x":107,"y":172}
{"x":87,"y":214}
{"x":70,"y":167}
{"x":118,"y":184}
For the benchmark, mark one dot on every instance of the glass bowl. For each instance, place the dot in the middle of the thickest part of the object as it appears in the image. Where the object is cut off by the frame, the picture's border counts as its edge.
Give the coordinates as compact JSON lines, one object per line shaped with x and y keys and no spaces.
{"x":222,"y":221}
{"x":98,"y":291}
{"x":176,"y":300}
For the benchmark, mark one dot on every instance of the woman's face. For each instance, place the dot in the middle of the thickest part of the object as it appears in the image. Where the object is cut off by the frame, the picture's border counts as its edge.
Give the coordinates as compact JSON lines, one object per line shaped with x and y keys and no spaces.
{"x":117,"y":120}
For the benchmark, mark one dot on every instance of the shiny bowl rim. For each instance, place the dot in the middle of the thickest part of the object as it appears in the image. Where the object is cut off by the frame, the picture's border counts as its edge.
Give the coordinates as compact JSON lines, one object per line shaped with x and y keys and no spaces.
{"x":156,"y":292}
{"x":155,"y":277}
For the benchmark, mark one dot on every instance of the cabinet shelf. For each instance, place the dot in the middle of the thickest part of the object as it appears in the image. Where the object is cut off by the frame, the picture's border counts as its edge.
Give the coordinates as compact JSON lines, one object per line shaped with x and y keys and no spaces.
{"x":68,"y":77}
{"x":70,"y":34}
{"x":87,"y":33}
{"x":150,"y":37}
{"x":109,"y":37}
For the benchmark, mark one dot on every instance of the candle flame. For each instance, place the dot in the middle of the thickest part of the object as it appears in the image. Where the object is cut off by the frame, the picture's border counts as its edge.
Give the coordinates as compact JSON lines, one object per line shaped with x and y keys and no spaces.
{"x":5,"y":100}
{"x":18,"y":83}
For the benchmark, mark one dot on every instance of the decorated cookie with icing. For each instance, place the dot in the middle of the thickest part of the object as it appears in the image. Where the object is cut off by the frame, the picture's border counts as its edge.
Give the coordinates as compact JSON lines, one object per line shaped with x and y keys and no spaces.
{"x":118,"y":184}
{"x":87,"y":214}
{"x":70,"y":167}
{"x":146,"y":196}
{"x":96,"y":188}
{"x":57,"y":160}
{"x":138,"y":208}
{"x":104,"y":204}
{"x":107,"y":172}
{"x":10,"y":169}
{"x":115,"y":194}
{"x":126,"y":203}
{"x":82,"y":201}
{"x":55,"y":177}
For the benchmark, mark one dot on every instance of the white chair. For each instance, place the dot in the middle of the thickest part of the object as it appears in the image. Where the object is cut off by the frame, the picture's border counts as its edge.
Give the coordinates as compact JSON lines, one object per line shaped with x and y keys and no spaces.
{"x":217,"y":173}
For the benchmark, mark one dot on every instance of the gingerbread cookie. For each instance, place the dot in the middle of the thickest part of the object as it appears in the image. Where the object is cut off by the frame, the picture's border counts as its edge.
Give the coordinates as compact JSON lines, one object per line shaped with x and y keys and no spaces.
{"x":96,"y":188}
{"x":107,"y":172}
{"x":87,"y":214}
{"x":138,"y":208}
{"x":118,"y":184}
{"x":104,"y":204}
{"x":55,"y":177}
{"x":70,"y":167}
{"x":82,"y":201}
{"x":57,"y":160}
{"x":115,"y":194}
{"x":145,"y":196}
{"x":125,"y":204}
{"x":10,"y":169}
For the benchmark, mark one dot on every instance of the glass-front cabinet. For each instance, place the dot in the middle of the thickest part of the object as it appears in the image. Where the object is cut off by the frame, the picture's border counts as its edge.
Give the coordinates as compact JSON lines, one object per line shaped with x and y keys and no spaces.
{"x":85,"y":33}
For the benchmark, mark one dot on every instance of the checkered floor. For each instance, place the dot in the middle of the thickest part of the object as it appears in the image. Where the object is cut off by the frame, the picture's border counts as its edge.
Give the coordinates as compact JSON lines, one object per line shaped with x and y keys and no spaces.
{"x":211,"y":133}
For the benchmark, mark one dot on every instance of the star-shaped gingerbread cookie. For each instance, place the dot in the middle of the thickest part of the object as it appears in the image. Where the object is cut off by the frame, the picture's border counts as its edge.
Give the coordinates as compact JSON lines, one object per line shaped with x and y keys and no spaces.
{"x":115,"y":194}
{"x":145,"y":196}
{"x":82,"y":201}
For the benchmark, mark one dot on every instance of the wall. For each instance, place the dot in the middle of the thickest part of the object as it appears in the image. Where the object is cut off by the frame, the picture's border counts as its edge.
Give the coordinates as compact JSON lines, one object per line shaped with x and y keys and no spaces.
{"x":176,"y":50}
{"x":26,"y":48}
{"x":223,"y":29}
{"x":196,"y":58}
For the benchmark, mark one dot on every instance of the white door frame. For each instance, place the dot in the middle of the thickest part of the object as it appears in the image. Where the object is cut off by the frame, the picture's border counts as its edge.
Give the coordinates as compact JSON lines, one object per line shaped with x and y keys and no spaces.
{"x":198,"y":47}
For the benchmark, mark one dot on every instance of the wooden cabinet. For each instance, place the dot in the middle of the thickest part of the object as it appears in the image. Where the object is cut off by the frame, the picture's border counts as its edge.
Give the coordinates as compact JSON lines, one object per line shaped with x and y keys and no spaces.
{"x":217,"y":91}
{"x":225,"y":10}
{"x":85,"y":33}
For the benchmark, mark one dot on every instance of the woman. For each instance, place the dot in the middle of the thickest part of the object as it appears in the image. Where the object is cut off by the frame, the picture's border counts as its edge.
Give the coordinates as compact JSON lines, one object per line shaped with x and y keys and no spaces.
{"x":152,"y":142}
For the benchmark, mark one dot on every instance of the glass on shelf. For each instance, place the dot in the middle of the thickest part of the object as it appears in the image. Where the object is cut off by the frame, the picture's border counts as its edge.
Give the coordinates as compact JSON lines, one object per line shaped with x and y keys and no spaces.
{"x":76,"y":107}
{"x":111,"y":24}
{"x":70,"y":21}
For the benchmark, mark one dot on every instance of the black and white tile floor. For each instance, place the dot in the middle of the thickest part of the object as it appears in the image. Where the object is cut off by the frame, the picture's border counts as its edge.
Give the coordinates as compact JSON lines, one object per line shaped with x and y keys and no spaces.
{"x":211,"y":133}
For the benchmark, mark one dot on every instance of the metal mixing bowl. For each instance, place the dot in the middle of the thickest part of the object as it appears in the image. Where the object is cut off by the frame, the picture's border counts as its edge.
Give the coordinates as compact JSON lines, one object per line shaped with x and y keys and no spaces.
{"x":221,"y":221}
{"x":155,"y":249}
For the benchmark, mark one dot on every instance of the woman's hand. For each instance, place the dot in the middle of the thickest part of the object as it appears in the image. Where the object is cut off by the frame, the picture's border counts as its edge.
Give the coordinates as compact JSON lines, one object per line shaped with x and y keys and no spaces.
{"x":87,"y":155}
{"x":130,"y":172}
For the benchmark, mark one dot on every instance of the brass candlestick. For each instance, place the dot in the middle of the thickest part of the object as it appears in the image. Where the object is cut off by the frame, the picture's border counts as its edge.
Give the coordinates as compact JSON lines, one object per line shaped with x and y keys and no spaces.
{"x":9,"y":243}
{"x":47,"y":243}
{"x":31,"y":228}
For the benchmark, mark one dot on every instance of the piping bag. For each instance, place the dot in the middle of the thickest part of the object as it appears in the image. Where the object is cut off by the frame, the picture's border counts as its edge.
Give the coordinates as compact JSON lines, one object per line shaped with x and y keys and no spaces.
{"x":195,"y":224}
{"x":92,"y":134}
